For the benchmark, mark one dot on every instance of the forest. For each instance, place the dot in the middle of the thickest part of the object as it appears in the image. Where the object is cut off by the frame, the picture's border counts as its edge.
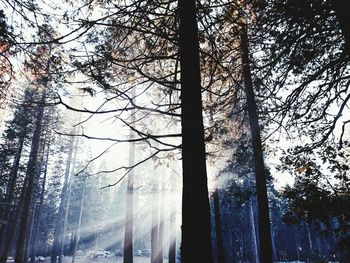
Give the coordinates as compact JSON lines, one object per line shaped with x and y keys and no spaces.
{"x":174,"y":131}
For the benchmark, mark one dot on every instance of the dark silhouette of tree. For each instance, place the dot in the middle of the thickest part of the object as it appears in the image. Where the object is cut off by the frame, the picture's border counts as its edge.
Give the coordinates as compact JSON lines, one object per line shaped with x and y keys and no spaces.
{"x":265,"y":243}
{"x":196,"y":235}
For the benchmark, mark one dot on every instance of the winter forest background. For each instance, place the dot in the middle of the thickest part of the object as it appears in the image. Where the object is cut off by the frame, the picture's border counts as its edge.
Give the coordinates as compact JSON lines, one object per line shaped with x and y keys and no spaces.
{"x":174,"y":131}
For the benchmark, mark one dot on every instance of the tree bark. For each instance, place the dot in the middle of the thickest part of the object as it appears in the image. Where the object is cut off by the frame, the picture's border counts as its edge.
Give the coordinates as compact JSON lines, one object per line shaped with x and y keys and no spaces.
{"x":31,"y":169}
{"x":265,"y":242}
{"x":196,"y":233}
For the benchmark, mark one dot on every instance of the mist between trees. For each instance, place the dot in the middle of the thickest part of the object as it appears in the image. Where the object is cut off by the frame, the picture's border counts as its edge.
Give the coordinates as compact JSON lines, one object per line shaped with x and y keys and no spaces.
{"x":174,"y":131}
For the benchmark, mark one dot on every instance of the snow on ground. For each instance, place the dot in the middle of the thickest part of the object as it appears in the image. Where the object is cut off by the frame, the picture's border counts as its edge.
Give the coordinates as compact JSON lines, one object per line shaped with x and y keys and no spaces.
{"x":98,"y":260}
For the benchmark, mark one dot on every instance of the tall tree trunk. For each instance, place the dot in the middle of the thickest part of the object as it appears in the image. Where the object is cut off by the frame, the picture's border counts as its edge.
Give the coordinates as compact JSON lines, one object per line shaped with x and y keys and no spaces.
{"x":196,"y":233}
{"x":70,"y":171}
{"x":41,"y":201}
{"x":309,"y":240}
{"x":34,"y":208}
{"x":77,"y":234}
{"x":218,"y":228}
{"x":161,"y":220}
{"x":265,"y":242}
{"x":172,"y":224}
{"x":31,"y":172}
{"x":31,"y":225}
{"x":128,"y":234}
{"x":11,"y":228}
{"x":59,"y":223}
{"x":10,"y":190}
{"x":155,"y":221}
{"x":253,"y":241}
{"x":297,"y":243}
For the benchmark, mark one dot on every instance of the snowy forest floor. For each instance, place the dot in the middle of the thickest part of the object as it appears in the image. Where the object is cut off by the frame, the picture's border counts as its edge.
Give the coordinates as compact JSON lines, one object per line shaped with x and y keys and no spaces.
{"x":100,"y":260}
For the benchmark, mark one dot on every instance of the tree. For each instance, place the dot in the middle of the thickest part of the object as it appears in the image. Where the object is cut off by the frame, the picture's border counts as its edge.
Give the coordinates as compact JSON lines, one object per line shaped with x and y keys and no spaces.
{"x":196,"y":237}
{"x":265,"y":241}
{"x":15,"y":137}
{"x":30,"y":173}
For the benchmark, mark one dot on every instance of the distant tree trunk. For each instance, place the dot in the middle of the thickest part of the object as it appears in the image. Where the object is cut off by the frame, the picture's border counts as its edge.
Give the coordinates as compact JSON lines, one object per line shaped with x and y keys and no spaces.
{"x":274,"y":249}
{"x":155,"y":221}
{"x":70,"y":170}
{"x":41,"y":201}
{"x":309,"y":240}
{"x":253,"y":241}
{"x":172,"y":224}
{"x":297,"y":243}
{"x":31,"y":169}
{"x":218,"y":228}
{"x":31,"y":223}
{"x":11,"y":227}
{"x":161,"y":221}
{"x":34,"y":207}
{"x":196,"y":233}
{"x":265,"y":242}
{"x":128,"y":234}
{"x":59,"y":223}
{"x":10,"y":190}
{"x":77,"y":233}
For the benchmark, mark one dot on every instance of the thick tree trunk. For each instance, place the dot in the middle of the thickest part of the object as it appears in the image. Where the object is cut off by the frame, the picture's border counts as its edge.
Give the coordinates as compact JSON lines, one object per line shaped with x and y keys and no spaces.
{"x":31,"y":172}
{"x":218,"y":228}
{"x":196,"y":233}
{"x":265,"y":242}
{"x":155,"y":221}
{"x":128,"y":234}
{"x":172,"y":224}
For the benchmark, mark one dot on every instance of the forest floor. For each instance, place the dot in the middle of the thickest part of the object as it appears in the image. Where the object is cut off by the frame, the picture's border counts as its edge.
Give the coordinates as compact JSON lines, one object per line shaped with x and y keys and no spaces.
{"x":84,"y":259}
{"x":109,"y":260}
